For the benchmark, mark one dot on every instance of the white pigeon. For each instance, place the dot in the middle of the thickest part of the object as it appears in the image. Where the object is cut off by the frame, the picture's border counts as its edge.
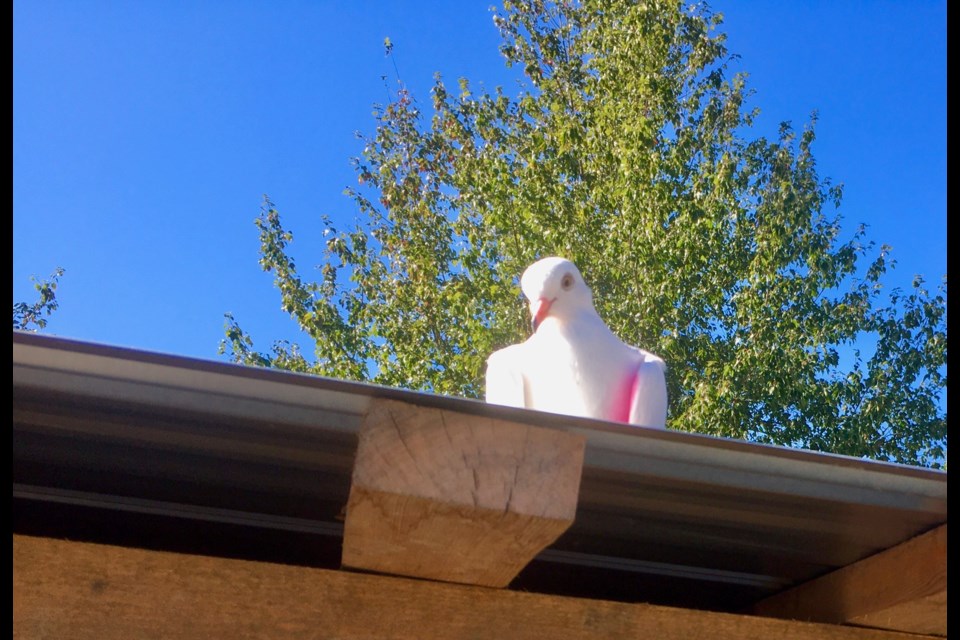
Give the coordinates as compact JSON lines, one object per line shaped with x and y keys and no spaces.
{"x":573,"y":363}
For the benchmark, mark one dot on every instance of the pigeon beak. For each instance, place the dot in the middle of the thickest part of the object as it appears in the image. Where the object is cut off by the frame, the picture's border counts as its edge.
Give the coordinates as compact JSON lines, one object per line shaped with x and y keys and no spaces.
{"x":539,"y":309}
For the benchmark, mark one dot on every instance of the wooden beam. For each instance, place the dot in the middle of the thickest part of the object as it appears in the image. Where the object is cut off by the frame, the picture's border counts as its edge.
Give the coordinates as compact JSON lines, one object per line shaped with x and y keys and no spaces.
{"x":902,"y":588}
{"x":83,"y":591}
{"x":455,"y":497}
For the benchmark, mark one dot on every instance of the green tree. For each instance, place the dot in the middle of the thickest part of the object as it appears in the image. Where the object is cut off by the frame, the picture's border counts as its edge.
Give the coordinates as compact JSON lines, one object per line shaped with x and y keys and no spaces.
{"x":30,"y":317}
{"x":628,"y":150}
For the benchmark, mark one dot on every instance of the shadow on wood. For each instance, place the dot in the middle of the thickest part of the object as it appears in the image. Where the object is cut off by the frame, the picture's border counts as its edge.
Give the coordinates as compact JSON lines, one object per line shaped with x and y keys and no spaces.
{"x":902,"y":588}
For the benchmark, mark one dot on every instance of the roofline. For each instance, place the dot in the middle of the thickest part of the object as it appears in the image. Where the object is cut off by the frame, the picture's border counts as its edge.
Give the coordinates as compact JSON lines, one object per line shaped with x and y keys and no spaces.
{"x":152,"y":378}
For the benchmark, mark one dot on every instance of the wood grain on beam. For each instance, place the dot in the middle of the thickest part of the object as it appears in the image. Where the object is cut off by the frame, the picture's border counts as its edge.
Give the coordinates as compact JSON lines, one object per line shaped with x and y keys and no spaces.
{"x":455,"y":497}
{"x":903,"y":588}
{"x":83,"y":591}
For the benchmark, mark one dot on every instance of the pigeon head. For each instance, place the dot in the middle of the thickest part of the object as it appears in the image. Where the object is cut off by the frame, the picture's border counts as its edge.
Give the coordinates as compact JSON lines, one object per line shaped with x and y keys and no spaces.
{"x":554,"y":288}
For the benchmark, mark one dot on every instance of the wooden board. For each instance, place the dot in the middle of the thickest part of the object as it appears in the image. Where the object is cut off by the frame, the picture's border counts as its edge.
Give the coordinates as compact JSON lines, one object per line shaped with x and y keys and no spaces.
{"x":903,"y":588}
{"x":461,"y":498}
{"x":84,"y":591}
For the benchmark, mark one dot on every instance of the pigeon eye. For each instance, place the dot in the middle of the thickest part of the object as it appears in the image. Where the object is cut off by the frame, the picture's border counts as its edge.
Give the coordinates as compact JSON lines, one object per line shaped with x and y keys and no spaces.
{"x":567,"y":282}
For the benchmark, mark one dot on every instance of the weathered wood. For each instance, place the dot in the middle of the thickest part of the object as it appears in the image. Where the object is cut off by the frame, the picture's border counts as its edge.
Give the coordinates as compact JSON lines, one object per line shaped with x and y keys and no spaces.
{"x":455,"y":497}
{"x":923,"y":615}
{"x":903,"y":588}
{"x":83,"y":591}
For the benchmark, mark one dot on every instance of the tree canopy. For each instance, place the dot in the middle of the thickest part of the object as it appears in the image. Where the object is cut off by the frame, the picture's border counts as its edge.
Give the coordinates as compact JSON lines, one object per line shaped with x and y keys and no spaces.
{"x":628,"y":148}
{"x":32,"y":317}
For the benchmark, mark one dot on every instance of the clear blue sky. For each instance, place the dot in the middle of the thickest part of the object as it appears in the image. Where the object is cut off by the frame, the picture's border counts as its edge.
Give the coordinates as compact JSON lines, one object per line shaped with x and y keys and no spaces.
{"x":145,"y":134}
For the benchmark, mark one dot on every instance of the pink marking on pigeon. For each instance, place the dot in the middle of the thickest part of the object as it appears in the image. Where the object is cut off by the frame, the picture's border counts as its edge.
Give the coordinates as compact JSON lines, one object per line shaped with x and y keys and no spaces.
{"x":625,"y":396}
